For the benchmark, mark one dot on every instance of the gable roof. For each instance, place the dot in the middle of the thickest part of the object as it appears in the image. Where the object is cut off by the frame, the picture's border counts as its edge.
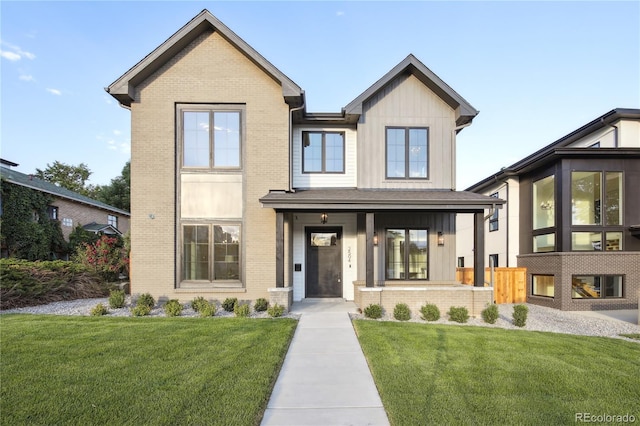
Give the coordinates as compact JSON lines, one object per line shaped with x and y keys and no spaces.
{"x":123,"y":89}
{"x":101,"y":227}
{"x":411,"y":65}
{"x":560,"y":146}
{"x":33,"y":182}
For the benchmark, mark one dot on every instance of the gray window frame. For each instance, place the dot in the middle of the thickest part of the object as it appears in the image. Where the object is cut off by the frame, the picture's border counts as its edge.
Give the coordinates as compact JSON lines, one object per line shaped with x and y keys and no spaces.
{"x":324,"y":151}
{"x":406,"y":153}
{"x":494,"y":219}
{"x":602,"y":283}
{"x":406,"y":260}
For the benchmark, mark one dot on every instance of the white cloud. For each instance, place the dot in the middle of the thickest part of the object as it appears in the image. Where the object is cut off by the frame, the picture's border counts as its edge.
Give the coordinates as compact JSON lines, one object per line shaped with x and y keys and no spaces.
{"x":117,"y":132}
{"x":54,"y":92}
{"x":10,"y":55}
{"x":340,"y":13}
{"x":26,"y":77}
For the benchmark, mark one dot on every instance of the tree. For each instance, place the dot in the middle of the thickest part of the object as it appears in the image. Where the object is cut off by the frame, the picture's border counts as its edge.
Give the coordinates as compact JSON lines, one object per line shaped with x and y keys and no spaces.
{"x":67,"y":176}
{"x":118,"y":192}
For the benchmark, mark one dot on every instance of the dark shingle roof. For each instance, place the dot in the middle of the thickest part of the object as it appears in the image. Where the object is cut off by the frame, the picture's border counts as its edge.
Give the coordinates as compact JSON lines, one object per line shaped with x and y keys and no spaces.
{"x":33,"y":182}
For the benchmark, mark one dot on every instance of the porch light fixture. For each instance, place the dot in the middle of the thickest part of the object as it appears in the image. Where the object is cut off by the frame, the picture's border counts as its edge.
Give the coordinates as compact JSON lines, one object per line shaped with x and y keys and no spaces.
{"x":375,"y":238}
{"x":323,"y":218}
{"x":440,"y":239}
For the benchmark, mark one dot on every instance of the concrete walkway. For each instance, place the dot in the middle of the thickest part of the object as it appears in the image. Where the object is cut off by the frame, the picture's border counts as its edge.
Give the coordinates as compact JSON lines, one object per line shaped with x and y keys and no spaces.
{"x":325,"y":379}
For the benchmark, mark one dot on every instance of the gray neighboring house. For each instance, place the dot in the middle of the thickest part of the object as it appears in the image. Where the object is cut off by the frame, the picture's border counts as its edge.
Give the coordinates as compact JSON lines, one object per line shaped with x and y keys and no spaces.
{"x":572,"y":217}
{"x":70,"y":208}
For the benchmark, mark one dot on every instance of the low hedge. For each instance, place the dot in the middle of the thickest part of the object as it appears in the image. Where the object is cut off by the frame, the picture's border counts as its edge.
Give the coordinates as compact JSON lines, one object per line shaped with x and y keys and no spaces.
{"x":27,"y":283}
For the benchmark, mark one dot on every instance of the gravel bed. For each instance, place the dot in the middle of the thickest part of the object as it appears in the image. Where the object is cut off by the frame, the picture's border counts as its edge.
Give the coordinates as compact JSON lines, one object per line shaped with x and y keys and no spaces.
{"x":539,"y":318}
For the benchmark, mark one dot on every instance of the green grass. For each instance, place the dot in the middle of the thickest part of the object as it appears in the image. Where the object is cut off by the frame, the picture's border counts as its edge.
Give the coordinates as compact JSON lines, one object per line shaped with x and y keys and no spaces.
{"x":443,"y":374}
{"x":134,"y":371}
{"x":635,"y":336}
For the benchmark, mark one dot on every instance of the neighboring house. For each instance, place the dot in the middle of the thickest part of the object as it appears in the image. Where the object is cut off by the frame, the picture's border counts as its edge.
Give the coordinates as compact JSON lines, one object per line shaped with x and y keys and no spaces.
{"x":239,"y":191}
{"x":572,"y":217}
{"x":70,"y":208}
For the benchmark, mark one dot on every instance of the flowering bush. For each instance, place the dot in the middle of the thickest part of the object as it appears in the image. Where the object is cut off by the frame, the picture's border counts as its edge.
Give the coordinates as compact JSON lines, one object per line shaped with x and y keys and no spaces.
{"x":107,"y":256}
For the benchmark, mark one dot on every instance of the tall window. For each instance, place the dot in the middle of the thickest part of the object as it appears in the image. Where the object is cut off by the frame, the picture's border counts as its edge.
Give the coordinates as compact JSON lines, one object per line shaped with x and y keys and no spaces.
{"x":407,"y":153}
{"x":211,"y":252}
{"x":52,"y":211}
{"x":493,"y":220}
{"x":596,"y":211}
{"x":406,"y":257}
{"x":493,"y":260}
{"x":211,"y":139}
{"x":543,"y":285}
{"x":112,"y":220}
{"x":322,"y":152}
{"x":544,"y":221}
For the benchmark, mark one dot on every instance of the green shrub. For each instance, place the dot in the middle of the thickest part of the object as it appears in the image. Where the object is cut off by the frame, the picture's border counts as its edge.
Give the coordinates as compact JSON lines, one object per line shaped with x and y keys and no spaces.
{"x":229,"y":304}
{"x":99,"y":310}
{"x":275,"y":310}
{"x":207,"y":309}
{"x":140,"y":310}
{"x":242,"y":310}
{"x":146,"y":299}
{"x":402,"y":312}
{"x":490,"y":314}
{"x":173,"y":308}
{"x":116,"y":299}
{"x":520,"y":315}
{"x":261,"y":305}
{"x":458,"y":314}
{"x":373,"y":311}
{"x":198,"y":303}
{"x":430,"y":312}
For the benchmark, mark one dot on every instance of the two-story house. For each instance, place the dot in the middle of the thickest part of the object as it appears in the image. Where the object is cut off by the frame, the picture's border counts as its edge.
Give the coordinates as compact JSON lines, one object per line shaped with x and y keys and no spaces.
{"x":572,"y":217}
{"x":239,"y":191}
{"x":67,"y":207}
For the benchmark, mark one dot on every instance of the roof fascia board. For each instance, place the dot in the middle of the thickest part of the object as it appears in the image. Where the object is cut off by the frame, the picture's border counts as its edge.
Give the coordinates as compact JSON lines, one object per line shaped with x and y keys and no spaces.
{"x":123,"y":88}
{"x":283,"y":205}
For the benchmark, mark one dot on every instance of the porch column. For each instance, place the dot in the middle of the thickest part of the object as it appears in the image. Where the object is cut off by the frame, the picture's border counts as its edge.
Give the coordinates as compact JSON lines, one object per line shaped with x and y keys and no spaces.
{"x":478,"y":252}
{"x":369,"y":250}
{"x":279,"y":249}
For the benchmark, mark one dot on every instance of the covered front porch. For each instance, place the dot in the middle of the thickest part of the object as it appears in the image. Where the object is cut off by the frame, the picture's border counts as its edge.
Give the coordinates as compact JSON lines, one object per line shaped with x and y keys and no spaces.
{"x":388,"y":245}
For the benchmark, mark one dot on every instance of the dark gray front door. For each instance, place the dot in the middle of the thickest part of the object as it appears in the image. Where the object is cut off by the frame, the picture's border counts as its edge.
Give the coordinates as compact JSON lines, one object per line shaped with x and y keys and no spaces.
{"x":324,"y":262}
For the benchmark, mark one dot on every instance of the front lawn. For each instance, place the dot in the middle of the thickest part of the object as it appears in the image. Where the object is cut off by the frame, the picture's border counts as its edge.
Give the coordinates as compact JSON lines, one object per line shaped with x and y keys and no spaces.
{"x":443,"y":374}
{"x":134,"y":371}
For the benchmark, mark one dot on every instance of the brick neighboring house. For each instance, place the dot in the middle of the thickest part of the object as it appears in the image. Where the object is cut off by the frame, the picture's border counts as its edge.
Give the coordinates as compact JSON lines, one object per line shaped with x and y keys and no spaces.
{"x":572,"y":217}
{"x":70,"y":208}
{"x":239,"y":191}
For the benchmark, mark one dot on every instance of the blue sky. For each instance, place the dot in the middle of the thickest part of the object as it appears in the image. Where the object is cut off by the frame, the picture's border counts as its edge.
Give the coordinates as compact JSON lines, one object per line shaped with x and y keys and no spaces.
{"x":535,"y":70}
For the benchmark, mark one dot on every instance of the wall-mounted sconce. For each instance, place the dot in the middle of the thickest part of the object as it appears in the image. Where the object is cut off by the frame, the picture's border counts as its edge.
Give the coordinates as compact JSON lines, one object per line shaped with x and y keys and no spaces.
{"x":440,"y":239}
{"x":375,"y":238}
{"x":323,"y":218}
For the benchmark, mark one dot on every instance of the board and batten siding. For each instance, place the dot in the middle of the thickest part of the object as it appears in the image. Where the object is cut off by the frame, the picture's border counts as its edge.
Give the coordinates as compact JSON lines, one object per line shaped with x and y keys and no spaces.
{"x":348,"y":179}
{"x":406,"y":102}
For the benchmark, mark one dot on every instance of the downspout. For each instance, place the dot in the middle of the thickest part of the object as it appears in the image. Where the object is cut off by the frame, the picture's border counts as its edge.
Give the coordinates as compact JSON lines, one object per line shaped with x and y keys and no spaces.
{"x":291,"y":111}
{"x":453,"y":153}
{"x":615,"y":132}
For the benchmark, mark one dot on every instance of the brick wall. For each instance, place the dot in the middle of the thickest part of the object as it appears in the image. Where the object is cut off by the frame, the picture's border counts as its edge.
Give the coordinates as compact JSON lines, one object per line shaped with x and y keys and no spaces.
{"x":83,"y":214}
{"x":208,"y":70}
{"x":475,"y":299}
{"x":563,"y":266}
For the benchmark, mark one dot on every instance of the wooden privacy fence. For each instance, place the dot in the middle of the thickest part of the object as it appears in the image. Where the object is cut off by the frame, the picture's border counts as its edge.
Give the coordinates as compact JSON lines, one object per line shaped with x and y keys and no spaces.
{"x":509,"y":284}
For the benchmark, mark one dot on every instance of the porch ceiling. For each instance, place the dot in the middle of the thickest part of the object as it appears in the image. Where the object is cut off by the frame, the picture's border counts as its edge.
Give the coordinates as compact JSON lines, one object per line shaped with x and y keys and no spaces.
{"x":379,"y":199}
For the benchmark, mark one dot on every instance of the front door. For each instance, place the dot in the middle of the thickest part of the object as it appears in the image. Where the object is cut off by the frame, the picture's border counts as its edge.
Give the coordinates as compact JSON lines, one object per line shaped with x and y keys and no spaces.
{"x":324,"y":262}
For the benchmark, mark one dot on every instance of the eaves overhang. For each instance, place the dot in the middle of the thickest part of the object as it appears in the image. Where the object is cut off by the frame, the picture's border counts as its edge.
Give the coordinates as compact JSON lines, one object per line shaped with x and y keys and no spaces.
{"x":123,"y":89}
{"x":379,"y":200}
{"x":558,"y":149}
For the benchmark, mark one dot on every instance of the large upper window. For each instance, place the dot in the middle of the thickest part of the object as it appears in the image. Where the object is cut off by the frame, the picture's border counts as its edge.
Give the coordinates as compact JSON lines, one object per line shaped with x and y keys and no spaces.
{"x":407,"y":153}
{"x":493,"y":220}
{"x":211,"y":252}
{"x":544,"y":203}
{"x":322,"y":152}
{"x":406,"y":257}
{"x":596,"y":204}
{"x":211,"y":138}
